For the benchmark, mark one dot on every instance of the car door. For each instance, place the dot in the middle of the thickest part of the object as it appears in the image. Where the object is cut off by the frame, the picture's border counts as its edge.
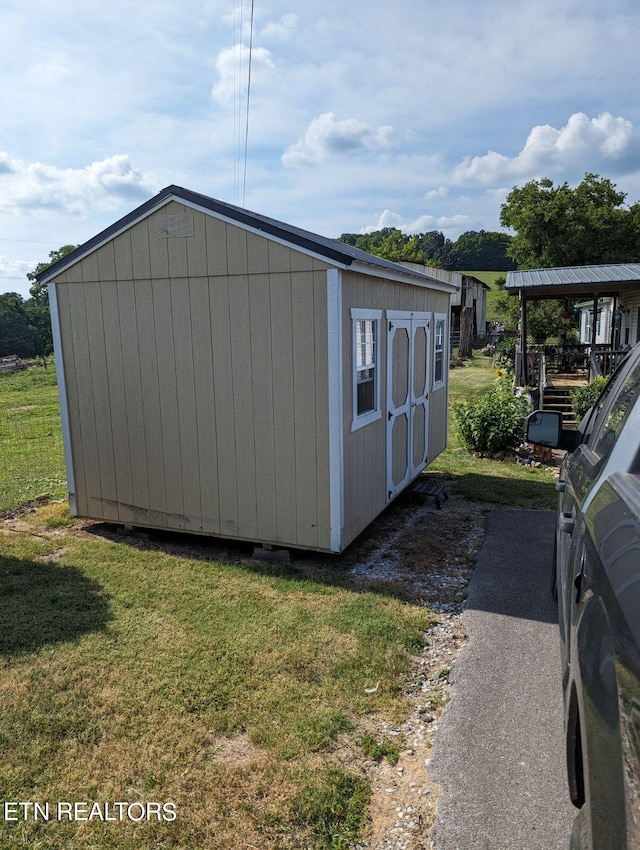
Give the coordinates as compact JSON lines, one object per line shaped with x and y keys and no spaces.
{"x":579,"y":479}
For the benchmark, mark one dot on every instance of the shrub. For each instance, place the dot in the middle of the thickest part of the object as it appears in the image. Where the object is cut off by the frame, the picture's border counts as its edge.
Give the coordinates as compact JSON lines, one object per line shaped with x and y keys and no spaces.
{"x":582,"y":398}
{"x":505,"y":354}
{"x":494,"y":422}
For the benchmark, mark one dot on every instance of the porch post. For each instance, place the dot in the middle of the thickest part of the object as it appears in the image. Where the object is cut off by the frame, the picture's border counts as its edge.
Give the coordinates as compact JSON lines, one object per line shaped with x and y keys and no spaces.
{"x":594,"y":323}
{"x":523,"y":376}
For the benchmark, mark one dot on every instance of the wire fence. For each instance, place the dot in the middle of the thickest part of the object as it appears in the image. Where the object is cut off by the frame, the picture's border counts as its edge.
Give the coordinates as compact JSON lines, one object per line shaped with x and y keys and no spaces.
{"x":31,"y":453}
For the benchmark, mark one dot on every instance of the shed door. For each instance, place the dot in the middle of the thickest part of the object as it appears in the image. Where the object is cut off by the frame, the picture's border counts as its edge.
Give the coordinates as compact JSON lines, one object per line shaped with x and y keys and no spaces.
{"x":408,"y":346}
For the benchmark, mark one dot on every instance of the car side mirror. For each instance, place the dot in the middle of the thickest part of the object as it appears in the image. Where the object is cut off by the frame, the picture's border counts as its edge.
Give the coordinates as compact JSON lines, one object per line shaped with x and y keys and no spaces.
{"x":544,"y":427}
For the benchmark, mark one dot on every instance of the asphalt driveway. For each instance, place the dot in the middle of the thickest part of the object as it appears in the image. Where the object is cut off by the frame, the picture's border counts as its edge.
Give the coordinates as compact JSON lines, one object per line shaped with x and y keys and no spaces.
{"x":499,"y":752}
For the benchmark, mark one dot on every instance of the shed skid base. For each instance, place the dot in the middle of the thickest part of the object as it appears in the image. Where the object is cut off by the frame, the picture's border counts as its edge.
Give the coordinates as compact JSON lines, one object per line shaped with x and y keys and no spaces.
{"x":266,"y":553}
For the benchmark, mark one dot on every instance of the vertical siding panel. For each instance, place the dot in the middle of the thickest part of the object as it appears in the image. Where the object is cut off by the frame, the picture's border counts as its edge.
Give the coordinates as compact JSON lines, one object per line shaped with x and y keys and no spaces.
{"x":106,"y":262}
{"x":205,"y":405}
{"x":241,"y":359}
{"x":263,"y":404}
{"x":283,"y":410}
{"x":140,"y":251}
{"x":197,"y":248}
{"x":279,"y":258}
{"x":130,"y":331}
{"x":123,"y":256}
{"x":74,"y":274}
{"x":89,"y":268}
{"x":186,"y":386}
{"x":118,"y":401}
{"x":86,"y":410}
{"x":223,"y":391}
{"x":166,"y":354}
{"x":257,"y":254}
{"x":177,"y":253}
{"x":150,"y":400}
{"x":158,"y":251}
{"x":108,"y":507}
{"x":64,"y":293}
{"x":216,"y":235}
{"x":237,"y":262}
{"x":304,"y":366}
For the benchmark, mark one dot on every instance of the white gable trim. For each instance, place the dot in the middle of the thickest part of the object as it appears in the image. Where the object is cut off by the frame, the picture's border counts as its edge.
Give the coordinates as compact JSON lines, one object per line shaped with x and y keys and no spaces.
{"x":62,"y":394}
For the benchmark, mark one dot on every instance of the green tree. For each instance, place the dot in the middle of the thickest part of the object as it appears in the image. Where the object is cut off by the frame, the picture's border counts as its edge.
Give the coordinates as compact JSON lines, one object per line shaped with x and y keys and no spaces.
{"x":38,"y":290}
{"x":561,"y":226}
{"x":17,"y":334}
{"x":482,"y":250}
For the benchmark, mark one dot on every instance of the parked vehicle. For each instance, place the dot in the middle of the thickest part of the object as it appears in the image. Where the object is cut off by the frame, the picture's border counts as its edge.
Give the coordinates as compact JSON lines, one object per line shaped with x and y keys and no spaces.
{"x":596,"y":577}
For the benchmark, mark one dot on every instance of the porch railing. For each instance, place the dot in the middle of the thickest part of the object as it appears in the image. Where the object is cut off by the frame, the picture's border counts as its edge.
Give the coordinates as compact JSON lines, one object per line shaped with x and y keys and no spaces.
{"x":604,"y":361}
{"x":576,"y":359}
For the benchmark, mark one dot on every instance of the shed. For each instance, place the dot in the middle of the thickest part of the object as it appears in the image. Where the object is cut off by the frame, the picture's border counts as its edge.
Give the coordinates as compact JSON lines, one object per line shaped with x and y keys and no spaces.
{"x":224,"y":373}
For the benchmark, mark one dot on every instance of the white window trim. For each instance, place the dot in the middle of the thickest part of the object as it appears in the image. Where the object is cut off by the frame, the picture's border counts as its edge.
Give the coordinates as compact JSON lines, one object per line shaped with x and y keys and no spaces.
{"x":371,"y":415}
{"x":436,"y":385}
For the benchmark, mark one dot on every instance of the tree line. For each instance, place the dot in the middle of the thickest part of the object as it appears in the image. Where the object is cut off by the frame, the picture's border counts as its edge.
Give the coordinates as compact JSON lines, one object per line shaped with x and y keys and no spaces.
{"x":472,"y":251}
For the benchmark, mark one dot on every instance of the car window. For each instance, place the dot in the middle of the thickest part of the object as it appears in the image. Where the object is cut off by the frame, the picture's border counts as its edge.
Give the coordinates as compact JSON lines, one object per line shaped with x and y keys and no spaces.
{"x":608,"y":429}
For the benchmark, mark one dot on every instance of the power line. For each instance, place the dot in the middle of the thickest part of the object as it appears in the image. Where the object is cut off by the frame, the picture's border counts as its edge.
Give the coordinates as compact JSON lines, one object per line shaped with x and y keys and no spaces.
{"x":246,"y":131}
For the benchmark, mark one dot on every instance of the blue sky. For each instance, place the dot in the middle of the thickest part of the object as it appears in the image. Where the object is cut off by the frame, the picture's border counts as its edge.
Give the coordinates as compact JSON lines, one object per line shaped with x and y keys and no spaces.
{"x":418,"y":114}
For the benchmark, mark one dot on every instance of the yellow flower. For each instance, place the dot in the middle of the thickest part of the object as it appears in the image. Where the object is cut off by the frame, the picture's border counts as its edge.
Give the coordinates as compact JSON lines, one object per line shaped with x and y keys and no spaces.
{"x":499,"y":373}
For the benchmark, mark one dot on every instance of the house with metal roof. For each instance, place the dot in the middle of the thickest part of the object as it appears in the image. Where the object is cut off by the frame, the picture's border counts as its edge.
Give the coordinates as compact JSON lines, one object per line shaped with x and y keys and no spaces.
{"x":615,"y":287}
{"x":224,"y":373}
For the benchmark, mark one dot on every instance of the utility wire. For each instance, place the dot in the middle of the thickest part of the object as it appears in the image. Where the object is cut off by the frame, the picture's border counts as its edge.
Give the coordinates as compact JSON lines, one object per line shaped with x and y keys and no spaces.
{"x":246,"y":131}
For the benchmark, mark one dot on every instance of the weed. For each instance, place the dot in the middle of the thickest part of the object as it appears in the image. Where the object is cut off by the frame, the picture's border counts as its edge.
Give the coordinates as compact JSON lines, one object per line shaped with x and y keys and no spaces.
{"x":334,"y":807}
{"x":378,"y":750}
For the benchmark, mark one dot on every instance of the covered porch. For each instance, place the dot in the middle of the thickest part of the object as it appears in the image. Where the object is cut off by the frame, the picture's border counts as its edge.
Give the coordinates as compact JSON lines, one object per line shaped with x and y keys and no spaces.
{"x":539,"y":366}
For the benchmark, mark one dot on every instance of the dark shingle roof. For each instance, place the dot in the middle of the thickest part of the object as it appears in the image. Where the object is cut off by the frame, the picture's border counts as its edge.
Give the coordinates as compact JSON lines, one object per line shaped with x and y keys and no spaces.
{"x":331,"y":249}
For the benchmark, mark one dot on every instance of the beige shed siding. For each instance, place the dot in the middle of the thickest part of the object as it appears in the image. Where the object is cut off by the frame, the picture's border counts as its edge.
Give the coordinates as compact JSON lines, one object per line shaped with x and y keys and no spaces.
{"x":196,"y":369}
{"x":365,"y":448}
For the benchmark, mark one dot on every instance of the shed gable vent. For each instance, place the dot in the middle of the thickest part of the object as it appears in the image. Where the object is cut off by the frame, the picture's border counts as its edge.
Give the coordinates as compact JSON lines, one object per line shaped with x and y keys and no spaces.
{"x":180,"y":224}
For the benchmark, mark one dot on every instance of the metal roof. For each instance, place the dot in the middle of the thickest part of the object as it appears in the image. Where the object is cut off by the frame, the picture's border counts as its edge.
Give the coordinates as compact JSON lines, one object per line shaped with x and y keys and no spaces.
{"x":593,"y":277}
{"x":330,"y":249}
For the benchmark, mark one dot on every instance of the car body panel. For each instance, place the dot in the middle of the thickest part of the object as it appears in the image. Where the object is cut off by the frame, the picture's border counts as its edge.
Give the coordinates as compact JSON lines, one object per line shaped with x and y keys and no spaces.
{"x":597,"y":577}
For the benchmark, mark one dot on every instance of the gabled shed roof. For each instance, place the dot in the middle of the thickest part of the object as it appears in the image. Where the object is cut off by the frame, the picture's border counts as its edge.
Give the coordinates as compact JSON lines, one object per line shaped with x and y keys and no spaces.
{"x":333,"y":251}
{"x":573,"y":280}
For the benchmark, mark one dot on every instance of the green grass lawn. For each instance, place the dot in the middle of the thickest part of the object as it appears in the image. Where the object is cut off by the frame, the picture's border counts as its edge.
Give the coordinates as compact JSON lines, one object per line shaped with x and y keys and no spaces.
{"x":30,"y":437}
{"x":482,"y":479}
{"x":136,"y":672}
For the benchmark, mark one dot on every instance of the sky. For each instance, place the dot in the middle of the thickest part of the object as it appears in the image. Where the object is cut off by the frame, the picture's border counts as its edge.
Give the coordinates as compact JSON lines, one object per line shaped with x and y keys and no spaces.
{"x":333,"y":116}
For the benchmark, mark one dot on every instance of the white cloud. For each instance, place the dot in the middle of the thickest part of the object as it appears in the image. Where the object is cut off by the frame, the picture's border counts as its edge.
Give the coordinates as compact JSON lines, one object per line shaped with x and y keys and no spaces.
{"x":37,"y":187}
{"x":232,"y":66}
{"x":440,"y":192}
{"x":582,"y":143}
{"x":326,"y":137}
{"x":52,"y":71}
{"x":281,"y":30}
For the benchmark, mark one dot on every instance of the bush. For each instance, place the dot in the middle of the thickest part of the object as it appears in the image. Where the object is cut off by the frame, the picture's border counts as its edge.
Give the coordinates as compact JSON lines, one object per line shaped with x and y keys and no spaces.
{"x":505,"y":354}
{"x":582,"y":398}
{"x":494,"y":422}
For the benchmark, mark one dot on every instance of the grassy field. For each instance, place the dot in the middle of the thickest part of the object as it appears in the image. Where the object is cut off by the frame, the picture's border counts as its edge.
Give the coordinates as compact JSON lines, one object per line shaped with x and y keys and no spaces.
{"x":30,"y":437}
{"x":161,"y":671}
{"x":493,"y":314}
